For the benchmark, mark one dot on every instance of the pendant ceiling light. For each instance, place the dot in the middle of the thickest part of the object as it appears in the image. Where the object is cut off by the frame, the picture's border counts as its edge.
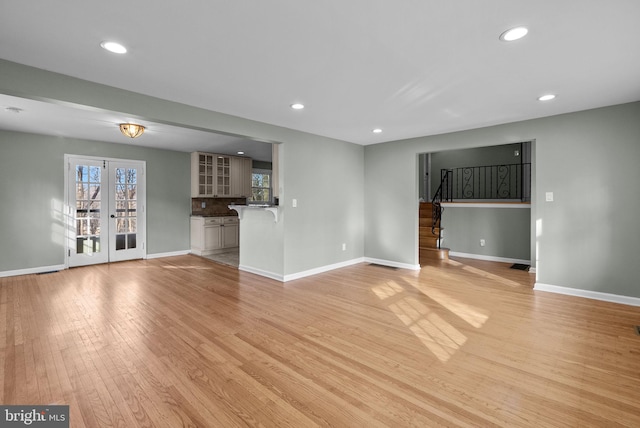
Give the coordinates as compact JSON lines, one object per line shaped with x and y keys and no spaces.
{"x":131,"y":130}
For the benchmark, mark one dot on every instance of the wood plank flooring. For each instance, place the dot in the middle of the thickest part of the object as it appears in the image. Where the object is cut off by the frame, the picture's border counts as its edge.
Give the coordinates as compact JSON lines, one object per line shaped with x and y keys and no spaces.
{"x":184,"y":341}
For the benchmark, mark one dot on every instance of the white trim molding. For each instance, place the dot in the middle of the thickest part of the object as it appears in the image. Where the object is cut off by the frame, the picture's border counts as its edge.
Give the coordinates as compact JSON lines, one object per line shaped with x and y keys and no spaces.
{"x":169,"y":254}
{"x":489,"y":258}
{"x":391,"y":263}
{"x":588,"y":294}
{"x":29,"y":271}
{"x":322,"y":269}
{"x":261,"y":272}
{"x":327,"y":268}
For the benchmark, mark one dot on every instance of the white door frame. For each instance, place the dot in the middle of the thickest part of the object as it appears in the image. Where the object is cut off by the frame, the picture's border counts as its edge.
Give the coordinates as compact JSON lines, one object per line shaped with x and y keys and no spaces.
{"x":69,"y":211}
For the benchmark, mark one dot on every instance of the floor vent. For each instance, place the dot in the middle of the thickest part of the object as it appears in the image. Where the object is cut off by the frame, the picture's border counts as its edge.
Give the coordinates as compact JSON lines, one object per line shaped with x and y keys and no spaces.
{"x":637,"y":329}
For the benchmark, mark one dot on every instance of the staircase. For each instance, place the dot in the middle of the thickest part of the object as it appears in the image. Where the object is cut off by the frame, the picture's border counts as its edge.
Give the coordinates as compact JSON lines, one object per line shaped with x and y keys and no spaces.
{"x":428,"y":236}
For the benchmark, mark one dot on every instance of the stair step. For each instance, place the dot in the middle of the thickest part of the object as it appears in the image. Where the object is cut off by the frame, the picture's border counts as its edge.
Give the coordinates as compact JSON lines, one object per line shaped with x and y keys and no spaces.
{"x":426,"y":209}
{"x":428,"y":235}
{"x":428,"y":245}
{"x":426,"y":221}
{"x":429,"y":231}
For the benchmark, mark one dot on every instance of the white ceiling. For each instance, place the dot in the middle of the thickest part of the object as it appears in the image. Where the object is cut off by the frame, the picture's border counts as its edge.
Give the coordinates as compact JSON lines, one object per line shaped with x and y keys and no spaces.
{"x":90,"y":124}
{"x":410,"y":67}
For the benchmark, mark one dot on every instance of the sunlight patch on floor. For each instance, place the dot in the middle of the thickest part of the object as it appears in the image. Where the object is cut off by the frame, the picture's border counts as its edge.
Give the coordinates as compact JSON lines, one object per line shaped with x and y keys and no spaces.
{"x":440,"y":337}
{"x":476,"y":317}
{"x":491,"y":276}
{"x":387,"y":290}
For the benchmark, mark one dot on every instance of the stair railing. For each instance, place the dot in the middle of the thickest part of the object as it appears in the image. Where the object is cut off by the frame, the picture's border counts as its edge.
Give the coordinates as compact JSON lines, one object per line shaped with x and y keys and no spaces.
{"x":491,"y":182}
{"x":442,"y":194}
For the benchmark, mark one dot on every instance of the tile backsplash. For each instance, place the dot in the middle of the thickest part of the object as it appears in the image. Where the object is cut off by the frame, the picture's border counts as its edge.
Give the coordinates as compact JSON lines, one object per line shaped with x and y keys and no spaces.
{"x":215,"y":206}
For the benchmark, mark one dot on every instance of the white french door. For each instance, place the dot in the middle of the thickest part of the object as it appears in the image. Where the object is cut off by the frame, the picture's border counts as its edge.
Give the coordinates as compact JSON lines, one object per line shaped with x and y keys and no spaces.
{"x":106,"y":200}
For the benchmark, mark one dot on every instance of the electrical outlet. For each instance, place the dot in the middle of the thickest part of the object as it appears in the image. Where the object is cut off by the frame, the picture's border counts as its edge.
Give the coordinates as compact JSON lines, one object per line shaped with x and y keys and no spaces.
{"x":482,"y":242}
{"x":294,"y":203}
{"x":344,"y":247}
{"x":204,"y":205}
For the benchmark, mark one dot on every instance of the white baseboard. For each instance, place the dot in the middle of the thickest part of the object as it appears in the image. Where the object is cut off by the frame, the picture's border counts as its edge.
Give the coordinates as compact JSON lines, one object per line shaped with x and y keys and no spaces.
{"x":303,"y":274}
{"x":392,"y":263}
{"x":596,"y":295}
{"x":322,"y":269}
{"x":489,"y":258}
{"x":29,"y":271}
{"x":261,"y":272}
{"x":169,"y":254}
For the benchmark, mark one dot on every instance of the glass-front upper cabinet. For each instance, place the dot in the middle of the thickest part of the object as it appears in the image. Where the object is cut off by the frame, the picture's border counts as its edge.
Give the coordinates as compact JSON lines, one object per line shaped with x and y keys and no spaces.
{"x":223,"y":176}
{"x":205,"y":174}
{"x":218,"y":176}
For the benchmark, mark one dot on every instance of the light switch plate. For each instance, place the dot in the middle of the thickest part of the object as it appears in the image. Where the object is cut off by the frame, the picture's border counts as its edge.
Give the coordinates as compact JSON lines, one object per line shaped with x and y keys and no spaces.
{"x":549,"y":196}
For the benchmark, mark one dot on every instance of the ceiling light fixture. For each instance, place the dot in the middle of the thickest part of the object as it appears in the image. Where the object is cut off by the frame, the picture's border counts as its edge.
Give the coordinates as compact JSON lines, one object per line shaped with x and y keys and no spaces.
{"x":297,"y":106}
{"x":547,"y":97}
{"x":240,"y":152}
{"x":131,"y":130}
{"x":113,"y":47}
{"x":514,"y":34}
{"x":377,"y":131}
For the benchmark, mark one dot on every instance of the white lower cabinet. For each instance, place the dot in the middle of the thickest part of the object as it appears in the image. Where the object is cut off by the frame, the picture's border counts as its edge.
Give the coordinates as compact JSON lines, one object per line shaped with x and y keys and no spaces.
{"x":210,"y":235}
{"x":230,"y":235}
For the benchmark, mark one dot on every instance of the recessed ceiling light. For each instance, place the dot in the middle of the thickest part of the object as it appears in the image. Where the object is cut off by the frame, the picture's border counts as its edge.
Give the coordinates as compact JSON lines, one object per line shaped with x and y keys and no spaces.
{"x":377,"y":131}
{"x":514,"y":34}
{"x":547,"y":97}
{"x":240,"y":152}
{"x":114,"y":47}
{"x":297,"y":106}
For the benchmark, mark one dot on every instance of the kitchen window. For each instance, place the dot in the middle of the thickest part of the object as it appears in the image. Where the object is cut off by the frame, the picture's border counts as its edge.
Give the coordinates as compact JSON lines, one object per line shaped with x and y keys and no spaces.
{"x":260,"y":186}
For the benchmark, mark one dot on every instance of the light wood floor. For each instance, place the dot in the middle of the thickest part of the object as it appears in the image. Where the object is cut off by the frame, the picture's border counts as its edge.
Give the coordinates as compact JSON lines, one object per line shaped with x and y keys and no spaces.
{"x":184,"y":341}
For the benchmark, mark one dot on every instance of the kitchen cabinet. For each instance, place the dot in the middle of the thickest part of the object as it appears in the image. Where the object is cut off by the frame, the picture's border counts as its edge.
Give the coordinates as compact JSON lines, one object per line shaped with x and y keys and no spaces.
{"x":202,"y":174}
{"x":220,"y":176}
{"x":230,"y":237}
{"x":241,"y":177}
{"x":210,"y":235}
{"x":223,"y":176}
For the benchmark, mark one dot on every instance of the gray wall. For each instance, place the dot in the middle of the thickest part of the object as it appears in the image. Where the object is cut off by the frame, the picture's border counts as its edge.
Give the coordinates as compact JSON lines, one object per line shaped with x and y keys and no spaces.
{"x":330,"y":198}
{"x":586,"y":239}
{"x":326,"y":178}
{"x":32,"y":192}
{"x":506,"y":231}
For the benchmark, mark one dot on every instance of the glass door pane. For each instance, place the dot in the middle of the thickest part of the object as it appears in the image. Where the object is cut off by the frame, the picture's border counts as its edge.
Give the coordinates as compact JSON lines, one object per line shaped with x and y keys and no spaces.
{"x":127,"y":188}
{"x":88,"y":220}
